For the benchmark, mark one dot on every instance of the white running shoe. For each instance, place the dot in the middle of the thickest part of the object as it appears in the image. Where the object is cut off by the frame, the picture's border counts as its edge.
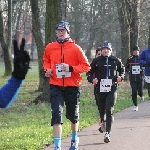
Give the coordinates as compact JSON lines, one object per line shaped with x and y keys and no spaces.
{"x":142,"y":99}
{"x":135,"y":108}
{"x":107,"y":137}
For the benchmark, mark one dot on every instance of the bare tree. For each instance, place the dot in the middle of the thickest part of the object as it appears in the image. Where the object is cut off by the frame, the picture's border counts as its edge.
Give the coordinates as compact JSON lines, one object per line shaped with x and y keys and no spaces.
{"x":6,"y":46}
{"x":149,"y":37}
{"x":36,"y":29}
{"x":63,"y":12}
{"x":128,"y":12}
{"x":52,"y":17}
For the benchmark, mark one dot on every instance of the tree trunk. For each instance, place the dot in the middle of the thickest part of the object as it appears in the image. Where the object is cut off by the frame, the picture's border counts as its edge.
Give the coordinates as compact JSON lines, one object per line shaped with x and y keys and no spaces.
{"x":63,"y":7}
{"x":7,"y":60}
{"x":9,"y":43}
{"x":149,"y":37}
{"x":135,"y":24}
{"x":125,"y":30}
{"x":36,"y":29}
{"x":52,"y":18}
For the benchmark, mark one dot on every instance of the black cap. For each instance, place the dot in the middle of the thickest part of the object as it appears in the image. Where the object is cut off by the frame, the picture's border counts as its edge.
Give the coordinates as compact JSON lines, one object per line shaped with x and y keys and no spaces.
{"x":135,"y":48}
{"x":63,"y":24}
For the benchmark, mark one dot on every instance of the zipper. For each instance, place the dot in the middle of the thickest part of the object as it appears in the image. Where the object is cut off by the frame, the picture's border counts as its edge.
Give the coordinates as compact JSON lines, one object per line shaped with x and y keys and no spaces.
{"x":107,"y":73}
{"x":62,"y":61}
{"x":135,"y":65}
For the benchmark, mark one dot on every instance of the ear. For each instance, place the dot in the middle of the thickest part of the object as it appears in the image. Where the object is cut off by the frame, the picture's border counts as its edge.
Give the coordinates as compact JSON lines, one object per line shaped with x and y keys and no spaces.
{"x":22,"y":44}
{"x":15,"y":47}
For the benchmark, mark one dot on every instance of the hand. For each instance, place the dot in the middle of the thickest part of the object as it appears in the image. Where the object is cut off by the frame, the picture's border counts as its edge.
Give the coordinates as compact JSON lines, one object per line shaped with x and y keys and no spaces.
{"x":119,"y":79}
{"x":95,"y":81}
{"x":65,"y":67}
{"x":21,"y":61}
{"x":48,"y":73}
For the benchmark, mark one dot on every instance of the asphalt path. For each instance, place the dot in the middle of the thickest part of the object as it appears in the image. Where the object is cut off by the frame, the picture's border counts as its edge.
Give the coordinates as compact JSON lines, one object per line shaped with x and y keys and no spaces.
{"x":130,"y":131}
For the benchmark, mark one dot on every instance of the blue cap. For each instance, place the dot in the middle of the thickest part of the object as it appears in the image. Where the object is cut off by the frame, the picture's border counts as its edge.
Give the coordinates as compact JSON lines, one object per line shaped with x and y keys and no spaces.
{"x":63,"y":24}
{"x":106,"y":45}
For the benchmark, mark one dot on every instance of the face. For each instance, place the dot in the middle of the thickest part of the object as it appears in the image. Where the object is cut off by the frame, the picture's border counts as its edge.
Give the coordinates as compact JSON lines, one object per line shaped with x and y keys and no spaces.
{"x":98,"y":53}
{"x":136,"y":52}
{"x":61,"y":33}
{"x":106,"y":51}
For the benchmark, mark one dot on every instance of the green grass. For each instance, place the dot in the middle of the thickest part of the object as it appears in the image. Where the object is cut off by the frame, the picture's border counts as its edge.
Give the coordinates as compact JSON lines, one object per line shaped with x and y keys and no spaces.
{"x":26,"y":126}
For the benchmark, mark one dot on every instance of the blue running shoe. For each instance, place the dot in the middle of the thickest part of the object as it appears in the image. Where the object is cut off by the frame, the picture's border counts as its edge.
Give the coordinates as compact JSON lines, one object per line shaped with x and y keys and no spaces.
{"x":74,"y":145}
{"x":57,"y":148}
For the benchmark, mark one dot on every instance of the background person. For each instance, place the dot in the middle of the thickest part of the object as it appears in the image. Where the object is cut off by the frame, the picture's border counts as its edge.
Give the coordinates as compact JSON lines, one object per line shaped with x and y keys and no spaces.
{"x":106,"y":80}
{"x":10,"y":90}
{"x":144,"y":60}
{"x":64,"y":63}
{"x":136,"y":76}
{"x":97,"y":54}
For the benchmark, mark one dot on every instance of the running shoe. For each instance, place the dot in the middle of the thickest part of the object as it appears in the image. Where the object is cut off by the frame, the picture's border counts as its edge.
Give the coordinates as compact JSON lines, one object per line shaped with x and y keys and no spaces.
{"x":74,"y":145}
{"x":107,"y":137}
{"x":142,"y":99}
{"x":135,"y":108}
{"x":102,"y":125}
{"x":57,"y":148}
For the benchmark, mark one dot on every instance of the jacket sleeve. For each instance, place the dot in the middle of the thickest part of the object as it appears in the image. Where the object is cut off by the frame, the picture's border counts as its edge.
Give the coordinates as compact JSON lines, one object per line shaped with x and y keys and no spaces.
{"x":127,"y":66}
{"x":121,"y":69}
{"x":9,"y":92}
{"x":142,"y":59}
{"x":46,"y":59}
{"x":91,"y":74}
{"x":84,"y":65}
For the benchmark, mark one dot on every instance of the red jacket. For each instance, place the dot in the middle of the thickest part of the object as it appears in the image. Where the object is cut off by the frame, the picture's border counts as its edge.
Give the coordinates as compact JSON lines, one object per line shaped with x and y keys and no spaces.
{"x":69,"y":53}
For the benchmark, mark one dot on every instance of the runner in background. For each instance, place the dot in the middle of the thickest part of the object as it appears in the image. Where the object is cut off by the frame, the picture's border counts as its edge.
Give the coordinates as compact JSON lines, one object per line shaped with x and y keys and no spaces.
{"x":136,"y":76}
{"x":144,"y":60}
{"x":97,"y":54}
{"x":108,"y":70}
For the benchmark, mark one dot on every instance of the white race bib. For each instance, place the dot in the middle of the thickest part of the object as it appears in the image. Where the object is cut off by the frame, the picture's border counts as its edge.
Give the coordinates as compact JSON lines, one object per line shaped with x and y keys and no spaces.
{"x":105,"y":85}
{"x":147,"y":79}
{"x":136,"y":69}
{"x":60,"y":73}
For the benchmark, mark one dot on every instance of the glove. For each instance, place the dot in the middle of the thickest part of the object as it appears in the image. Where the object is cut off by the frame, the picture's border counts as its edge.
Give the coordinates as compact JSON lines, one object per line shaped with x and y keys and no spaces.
{"x":148,"y":63}
{"x":21,"y":61}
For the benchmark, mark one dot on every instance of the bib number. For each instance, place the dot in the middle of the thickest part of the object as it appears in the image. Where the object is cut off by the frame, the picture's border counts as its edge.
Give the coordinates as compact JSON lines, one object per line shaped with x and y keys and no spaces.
{"x":135,"y":69}
{"x":60,"y":73}
{"x":105,"y":85}
{"x":147,"y":79}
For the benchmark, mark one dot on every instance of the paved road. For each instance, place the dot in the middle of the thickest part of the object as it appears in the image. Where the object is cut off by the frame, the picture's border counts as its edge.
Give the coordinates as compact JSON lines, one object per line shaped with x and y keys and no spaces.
{"x":130,"y":131}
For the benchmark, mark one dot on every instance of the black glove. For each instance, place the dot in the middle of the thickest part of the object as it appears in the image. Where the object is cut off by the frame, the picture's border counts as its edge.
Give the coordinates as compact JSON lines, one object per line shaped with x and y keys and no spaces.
{"x":148,"y":63}
{"x":21,"y":61}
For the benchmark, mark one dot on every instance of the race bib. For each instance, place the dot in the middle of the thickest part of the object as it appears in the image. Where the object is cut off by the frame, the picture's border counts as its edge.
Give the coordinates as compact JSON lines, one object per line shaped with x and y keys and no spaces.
{"x":136,"y":69}
{"x":105,"y":85}
{"x":60,"y":73}
{"x":147,"y":79}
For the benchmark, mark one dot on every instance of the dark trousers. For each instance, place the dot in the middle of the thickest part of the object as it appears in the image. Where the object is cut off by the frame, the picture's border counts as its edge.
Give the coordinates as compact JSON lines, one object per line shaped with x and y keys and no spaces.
{"x":106,"y":101}
{"x":137,"y":88}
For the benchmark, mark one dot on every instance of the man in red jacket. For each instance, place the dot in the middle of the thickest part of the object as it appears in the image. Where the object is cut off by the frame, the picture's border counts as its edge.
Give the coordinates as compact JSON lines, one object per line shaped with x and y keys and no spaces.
{"x":64,"y":63}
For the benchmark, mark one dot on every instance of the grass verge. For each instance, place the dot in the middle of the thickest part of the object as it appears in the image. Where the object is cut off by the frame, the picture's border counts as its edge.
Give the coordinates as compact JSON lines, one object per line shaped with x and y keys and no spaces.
{"x":27,"y":127}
